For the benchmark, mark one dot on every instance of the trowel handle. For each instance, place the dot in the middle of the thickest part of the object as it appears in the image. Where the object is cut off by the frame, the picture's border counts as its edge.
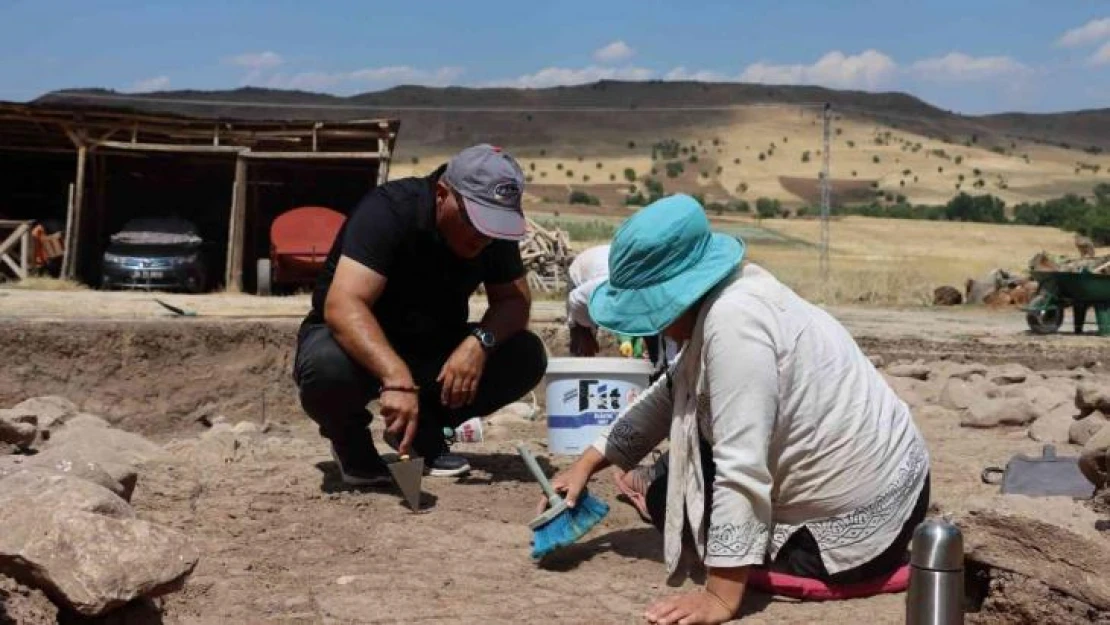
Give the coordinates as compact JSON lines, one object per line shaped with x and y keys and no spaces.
{"x":537,"y":472}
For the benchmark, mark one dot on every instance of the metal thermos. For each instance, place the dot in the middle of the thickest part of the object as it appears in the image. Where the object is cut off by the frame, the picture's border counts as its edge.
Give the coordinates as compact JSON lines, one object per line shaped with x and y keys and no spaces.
{"x":936,"y":593}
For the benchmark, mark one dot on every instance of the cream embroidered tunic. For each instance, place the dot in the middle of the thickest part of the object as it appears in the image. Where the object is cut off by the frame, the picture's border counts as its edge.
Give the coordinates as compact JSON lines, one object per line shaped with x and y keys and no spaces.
{"x":804,"y":432}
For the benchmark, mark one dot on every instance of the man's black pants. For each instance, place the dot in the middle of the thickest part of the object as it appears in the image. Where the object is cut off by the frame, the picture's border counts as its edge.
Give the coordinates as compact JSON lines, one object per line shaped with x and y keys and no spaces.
{"x":800,"y":554}
{"x":334,"y":389}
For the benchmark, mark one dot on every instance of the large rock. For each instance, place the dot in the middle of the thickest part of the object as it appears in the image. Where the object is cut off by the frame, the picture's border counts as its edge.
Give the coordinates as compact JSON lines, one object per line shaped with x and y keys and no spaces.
{"x":1100,"y":441}
{"x":947,"y":296}
{"x":20,"y":605}
{"x":988,"y":413}
{"x":97,"y":466}
{"x":1054,"y":426}
{"x":1083,"y":429}
{"x":107,"y":443}
{"x":1053,"y":541}
{"x":51,"y":490}
{"x":965,"y":371}
{"x":51,"y":410}
{"x":1092,"y":396}
{"x":916,"y":371}
{"x":17,"y":428}
{"x":1011,"y":373}
{"x":958,"y":394}
{"x":89,"y":562}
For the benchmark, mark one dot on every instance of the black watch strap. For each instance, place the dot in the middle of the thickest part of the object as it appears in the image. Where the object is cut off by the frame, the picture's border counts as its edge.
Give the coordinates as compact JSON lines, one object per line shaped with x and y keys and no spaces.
{"x":485,"y":337}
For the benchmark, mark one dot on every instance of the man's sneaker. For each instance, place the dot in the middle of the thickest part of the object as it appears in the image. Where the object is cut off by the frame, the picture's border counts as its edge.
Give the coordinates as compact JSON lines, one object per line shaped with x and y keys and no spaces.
{"x":372,"y":476}
{"x":447,"y":465}
{"x":442,"y":465}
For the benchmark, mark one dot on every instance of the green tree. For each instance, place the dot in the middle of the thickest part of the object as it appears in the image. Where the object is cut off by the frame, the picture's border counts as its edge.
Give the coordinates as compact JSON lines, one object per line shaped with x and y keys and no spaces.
{"x":766,"y":208}
{"x":630,"y":174}
{"x":581,"y":197}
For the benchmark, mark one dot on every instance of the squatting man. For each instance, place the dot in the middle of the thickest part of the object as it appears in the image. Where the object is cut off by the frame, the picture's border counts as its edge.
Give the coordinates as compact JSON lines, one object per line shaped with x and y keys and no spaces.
{"x":389,"y":318}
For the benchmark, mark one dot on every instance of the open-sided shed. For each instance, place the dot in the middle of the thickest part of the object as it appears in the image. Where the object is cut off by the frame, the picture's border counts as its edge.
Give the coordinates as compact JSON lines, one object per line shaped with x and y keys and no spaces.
{"x":89,"y":170}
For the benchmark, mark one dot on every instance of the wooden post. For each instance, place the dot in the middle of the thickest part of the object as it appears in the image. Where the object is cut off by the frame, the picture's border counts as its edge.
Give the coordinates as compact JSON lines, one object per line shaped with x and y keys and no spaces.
{"x":233,"y":278}
{"x":383,"y":161}
{"x":25,"y":252}
{"x":65,"y":236}
{"x":73,"y":225}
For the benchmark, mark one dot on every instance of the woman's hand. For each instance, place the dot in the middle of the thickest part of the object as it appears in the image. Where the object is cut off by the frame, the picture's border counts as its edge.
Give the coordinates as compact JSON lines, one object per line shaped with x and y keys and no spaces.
{"x":696,"y":608}
{"x":571,"y":482}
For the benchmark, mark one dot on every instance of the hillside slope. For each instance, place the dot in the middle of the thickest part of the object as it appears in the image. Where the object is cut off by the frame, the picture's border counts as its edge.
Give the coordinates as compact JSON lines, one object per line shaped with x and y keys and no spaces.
{"x":589,"y":135}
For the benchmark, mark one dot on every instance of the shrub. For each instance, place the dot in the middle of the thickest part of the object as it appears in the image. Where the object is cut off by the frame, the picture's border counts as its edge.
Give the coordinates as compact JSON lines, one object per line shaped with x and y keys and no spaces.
{"x":693,"y":158}
{"x":875,"y":159}
{"x":743,"y":187}
{"x":762,"y":156}
{"x":766,"y":207}
{"x":630,"y":174}
{"x":805,"y":156}
{"x":959,"y":160}
{"x":585,"y":178}
{"x":854,"y":173}
{"x":735,"y":161}
{"x":593,"y":230}
{"x":631,"y":145}
{"x":558,"y":165}
{"x":543,"y":152}
{"x":906,"y":172}
{"x":570,"y":173}
{"x":976,"y":172}
{"x":654,"y":187}
{"x":851,"y":143}
{"x":581,"y":197}
{"x":599,"y":165}
{"x":415,"y":160}
{"x":739,"y":206}
{"x":674,"y":168}
{"x":532,"y":166}
{"x":612,"y":177}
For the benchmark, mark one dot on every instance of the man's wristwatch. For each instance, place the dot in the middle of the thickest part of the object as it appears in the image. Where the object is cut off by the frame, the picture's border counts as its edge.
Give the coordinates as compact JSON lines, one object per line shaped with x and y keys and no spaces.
{"x":484,"y":336}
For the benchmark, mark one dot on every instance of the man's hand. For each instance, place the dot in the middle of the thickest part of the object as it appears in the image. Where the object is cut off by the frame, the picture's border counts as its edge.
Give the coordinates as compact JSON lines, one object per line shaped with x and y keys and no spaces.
{"x":695,"y":608}
{"x":461,"y":373}
{"x":400,"y":413}
{"x":583,"y":342}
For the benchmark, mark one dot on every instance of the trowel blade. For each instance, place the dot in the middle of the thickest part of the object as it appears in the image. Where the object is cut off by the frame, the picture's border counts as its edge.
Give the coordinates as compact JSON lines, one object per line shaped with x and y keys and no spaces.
{"x":408,"y":475}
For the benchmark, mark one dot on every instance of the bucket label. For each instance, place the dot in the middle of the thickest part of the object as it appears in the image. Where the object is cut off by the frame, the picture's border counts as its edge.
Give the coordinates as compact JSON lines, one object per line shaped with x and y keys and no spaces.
{"x":589,"y":402}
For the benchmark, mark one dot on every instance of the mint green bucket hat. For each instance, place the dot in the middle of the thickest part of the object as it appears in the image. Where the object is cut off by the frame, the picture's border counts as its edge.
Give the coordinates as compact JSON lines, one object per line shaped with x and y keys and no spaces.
{"x":662,"y":260}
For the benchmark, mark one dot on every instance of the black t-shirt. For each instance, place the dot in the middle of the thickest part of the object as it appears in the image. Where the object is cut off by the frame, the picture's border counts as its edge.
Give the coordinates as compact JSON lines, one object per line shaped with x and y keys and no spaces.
{"x":428,"y":288}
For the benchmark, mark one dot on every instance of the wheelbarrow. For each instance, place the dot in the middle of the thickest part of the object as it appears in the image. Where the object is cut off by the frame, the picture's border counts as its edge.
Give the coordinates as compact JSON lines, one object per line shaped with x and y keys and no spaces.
{"x":1057,"y":290}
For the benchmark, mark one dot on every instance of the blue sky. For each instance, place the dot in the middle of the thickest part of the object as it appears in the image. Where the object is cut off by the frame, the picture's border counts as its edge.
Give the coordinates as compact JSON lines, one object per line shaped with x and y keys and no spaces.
{"x":970,"y":56}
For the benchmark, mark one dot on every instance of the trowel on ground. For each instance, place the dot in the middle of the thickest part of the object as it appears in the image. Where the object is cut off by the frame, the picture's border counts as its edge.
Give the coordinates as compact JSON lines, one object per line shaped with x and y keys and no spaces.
{"x":407,"y":474}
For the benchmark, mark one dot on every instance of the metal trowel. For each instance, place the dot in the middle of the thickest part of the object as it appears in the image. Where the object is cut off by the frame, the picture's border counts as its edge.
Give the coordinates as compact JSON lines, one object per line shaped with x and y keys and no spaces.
{"x":407,"y":474}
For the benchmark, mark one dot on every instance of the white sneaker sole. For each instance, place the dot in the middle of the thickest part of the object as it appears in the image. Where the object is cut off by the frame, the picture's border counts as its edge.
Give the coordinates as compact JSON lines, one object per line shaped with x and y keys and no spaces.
{"x":449,"y":472}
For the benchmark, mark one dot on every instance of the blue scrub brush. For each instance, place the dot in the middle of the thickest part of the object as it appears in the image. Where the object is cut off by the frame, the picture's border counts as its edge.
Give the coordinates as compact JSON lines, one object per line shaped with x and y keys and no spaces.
{"x":560,"y":525}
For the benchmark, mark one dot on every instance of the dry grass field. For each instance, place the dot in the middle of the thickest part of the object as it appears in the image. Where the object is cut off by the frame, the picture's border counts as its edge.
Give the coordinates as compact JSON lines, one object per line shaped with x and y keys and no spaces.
{"x":889,"y":262}
{"x":748,"y":156}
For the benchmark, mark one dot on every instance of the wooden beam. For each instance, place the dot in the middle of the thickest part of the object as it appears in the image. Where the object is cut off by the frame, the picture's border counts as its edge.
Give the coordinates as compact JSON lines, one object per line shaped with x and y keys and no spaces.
{"x":321,"y":156}
{"x":169,"y":147}
{"x":17,"y":235}
{"x":233,"y":278}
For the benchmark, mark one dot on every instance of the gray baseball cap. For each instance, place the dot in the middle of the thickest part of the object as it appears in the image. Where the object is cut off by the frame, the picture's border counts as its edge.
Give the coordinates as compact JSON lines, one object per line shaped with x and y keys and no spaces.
{"x":491,"y":184}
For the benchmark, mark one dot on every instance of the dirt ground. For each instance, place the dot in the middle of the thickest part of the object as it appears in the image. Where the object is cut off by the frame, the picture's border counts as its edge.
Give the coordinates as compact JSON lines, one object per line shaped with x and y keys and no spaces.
{"x":283,"y":541}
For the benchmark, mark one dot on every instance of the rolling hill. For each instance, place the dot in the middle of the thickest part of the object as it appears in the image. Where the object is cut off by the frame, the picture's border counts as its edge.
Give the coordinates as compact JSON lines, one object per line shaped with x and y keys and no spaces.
{"x":733,"y":140}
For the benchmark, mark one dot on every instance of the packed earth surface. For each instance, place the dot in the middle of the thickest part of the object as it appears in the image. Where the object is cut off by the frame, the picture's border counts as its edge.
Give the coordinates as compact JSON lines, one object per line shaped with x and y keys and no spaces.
{"x":261,"y":529}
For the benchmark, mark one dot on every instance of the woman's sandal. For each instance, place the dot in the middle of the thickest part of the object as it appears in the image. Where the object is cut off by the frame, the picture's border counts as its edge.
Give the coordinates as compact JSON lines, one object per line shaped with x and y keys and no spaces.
{"x":634,"y":485}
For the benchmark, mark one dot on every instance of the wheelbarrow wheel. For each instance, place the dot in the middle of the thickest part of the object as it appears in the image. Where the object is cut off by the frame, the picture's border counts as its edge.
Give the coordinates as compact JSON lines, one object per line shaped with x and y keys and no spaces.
{"x":1045,"y":321}
{"x":264,"y":277}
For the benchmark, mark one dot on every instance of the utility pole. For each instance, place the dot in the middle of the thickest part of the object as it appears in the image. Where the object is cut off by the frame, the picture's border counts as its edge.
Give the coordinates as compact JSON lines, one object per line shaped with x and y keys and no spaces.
{"x":825,"y":194}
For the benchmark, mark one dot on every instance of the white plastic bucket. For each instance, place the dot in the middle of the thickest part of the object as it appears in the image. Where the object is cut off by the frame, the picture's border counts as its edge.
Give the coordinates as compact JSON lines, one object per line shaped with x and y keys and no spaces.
{"x":586,"y":395}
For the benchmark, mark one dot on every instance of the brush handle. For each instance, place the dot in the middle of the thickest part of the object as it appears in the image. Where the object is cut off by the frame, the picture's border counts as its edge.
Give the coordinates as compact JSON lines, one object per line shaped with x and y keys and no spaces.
{"x":537,"y":472}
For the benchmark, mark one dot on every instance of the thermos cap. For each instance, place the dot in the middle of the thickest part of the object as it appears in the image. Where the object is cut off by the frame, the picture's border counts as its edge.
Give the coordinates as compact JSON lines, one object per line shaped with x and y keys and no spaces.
{"x":937,"y":546}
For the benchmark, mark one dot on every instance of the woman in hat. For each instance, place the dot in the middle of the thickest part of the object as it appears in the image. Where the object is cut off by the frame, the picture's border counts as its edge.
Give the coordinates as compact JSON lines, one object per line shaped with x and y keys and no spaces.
{"x":787,"y":449}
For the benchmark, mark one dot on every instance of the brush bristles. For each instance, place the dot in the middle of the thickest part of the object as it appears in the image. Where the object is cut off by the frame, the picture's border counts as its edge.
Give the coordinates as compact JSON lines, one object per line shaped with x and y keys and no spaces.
{"x":566,"y":528}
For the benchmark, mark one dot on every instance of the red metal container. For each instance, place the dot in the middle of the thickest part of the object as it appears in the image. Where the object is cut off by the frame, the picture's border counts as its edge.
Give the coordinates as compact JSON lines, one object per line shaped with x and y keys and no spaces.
{"x":299,"y":243}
